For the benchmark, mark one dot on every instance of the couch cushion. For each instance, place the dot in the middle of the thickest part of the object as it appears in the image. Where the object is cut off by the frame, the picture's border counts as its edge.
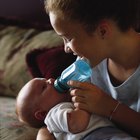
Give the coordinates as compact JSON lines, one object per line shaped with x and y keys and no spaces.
{"x":48,"y":63}
{"x":15,"y":43}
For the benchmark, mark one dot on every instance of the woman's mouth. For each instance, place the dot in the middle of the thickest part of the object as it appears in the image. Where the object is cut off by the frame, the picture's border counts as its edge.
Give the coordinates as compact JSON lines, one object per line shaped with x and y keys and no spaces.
{"x":74,"y":53}
{"x":79,"y":56}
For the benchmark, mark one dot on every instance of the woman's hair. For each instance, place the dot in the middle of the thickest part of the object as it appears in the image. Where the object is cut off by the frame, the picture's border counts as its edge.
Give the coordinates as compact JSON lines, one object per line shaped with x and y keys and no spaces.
{"x":125,"y":13}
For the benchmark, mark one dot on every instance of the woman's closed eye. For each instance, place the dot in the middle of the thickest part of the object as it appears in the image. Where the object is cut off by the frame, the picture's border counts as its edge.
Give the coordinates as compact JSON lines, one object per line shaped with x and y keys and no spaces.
{"x":66,"y":39}
{"x":69,"y":39}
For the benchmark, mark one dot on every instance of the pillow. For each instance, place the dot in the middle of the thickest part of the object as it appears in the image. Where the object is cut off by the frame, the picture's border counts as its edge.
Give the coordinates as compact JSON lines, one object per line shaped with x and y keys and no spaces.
{"x":15,"y":43}
{"x":48,"y":63}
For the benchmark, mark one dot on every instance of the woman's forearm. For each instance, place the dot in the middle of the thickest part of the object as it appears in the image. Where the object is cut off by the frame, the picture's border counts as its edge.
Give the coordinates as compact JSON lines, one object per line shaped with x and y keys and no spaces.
{"x":123,"y":116}
{"x":127,"y":119}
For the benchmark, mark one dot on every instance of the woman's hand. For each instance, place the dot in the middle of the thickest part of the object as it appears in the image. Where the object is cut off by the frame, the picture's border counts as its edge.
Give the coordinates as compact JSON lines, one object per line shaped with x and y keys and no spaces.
{"x":91,"y":98}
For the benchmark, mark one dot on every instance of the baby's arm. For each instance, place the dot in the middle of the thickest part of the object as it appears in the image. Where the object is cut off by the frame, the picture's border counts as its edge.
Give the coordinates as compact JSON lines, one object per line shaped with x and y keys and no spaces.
{"x":78,"y":120}
{"x":65,"y":118}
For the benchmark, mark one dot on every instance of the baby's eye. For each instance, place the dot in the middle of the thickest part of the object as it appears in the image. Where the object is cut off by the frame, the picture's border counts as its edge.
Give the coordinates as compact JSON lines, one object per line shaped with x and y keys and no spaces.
{"x":44,"y":86}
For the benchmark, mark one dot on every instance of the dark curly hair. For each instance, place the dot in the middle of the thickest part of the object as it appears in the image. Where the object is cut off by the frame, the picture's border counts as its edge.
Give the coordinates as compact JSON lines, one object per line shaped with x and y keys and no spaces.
{"x":125,"y":13}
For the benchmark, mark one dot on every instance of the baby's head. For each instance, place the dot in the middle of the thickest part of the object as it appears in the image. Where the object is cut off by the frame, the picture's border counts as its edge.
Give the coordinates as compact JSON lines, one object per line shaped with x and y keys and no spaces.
{"x":35,"y":99}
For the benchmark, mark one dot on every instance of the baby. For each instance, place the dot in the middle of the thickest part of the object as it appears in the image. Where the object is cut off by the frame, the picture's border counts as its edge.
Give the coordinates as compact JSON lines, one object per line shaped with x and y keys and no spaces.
{"x":39,"y":104}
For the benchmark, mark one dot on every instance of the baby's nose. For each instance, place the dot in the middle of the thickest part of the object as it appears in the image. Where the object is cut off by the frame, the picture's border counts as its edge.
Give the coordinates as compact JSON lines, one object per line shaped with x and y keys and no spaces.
{"x":50,"y":81}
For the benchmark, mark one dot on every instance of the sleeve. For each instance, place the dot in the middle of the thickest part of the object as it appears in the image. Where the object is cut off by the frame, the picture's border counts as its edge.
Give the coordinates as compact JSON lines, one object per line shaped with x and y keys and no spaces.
{"x":56,"y":119}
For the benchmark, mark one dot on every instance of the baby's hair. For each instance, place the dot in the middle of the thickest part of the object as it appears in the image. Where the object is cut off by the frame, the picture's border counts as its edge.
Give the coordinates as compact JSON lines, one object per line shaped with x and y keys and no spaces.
{"x":26,"y":114}
{"x":30,"y":119}
{"x":125,"y":13}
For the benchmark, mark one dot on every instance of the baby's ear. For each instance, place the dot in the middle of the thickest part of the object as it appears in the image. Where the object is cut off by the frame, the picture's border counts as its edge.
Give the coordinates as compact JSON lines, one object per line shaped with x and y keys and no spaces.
{"x":40,"y":115}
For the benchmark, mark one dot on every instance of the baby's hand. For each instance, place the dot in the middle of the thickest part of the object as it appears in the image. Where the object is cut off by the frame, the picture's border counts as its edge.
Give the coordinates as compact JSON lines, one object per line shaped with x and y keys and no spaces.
{"x":75,"y":117}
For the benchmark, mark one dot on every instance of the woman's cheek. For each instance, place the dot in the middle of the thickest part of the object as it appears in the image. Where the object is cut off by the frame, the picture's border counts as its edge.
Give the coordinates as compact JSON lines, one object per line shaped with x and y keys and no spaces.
{"x":75,"y":46}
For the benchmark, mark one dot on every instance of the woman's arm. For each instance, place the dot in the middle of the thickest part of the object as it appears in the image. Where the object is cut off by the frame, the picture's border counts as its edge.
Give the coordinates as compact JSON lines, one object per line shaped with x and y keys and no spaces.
{"x":89,"y":97}
{"x":44,"y":134}
{"x":127,"y":119}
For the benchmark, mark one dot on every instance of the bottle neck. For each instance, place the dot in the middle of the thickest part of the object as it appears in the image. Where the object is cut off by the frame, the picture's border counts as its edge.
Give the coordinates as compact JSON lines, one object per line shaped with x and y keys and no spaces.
{"x":60,"y":87}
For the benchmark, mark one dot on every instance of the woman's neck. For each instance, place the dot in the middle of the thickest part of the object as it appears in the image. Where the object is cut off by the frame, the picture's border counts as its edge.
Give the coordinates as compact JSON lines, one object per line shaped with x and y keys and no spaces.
{"x":119,"y":74}
{"x":126,"y":54}
{"x":126,"y":58}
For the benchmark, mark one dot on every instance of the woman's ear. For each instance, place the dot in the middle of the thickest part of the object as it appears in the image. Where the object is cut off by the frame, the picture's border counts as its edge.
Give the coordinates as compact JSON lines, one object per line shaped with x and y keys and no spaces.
{"x":40,"y":115}
{"x":104,"y":29}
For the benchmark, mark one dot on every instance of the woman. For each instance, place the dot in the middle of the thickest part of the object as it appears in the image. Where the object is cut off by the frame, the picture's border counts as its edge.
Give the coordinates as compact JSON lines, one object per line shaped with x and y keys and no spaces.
{"x":104,"y":32}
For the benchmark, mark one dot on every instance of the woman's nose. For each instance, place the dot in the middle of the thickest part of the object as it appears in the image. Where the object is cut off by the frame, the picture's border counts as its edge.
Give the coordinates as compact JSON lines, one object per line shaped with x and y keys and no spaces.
{"x":67,"y":49}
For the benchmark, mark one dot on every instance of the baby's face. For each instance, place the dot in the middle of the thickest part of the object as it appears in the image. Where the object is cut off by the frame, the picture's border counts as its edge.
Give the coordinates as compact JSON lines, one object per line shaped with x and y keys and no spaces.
{"x":44,"y":93}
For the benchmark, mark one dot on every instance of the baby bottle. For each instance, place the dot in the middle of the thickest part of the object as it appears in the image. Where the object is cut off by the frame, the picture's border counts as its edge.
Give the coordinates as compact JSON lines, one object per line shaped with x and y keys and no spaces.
{"x":80,"y":70}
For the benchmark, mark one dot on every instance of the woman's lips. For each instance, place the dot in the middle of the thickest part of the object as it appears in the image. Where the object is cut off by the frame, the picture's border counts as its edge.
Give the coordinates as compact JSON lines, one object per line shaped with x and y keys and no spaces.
{"x":79,"y":56}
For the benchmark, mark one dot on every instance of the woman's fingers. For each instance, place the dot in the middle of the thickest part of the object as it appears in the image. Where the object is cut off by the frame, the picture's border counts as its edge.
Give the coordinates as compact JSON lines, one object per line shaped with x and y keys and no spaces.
{"x":78,"y":99}
{"x":79,"y":85}
{"x":80,"y":105}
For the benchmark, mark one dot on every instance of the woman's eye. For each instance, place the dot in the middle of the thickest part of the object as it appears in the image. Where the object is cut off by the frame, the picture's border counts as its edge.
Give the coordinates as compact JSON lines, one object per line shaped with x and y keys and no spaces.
{"x":67,"y":40}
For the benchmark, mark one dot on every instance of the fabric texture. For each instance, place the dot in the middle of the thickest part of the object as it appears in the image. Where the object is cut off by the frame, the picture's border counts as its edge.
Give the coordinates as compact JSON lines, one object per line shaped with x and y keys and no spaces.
{"x":128,"y":92}
{"x":48,"y":63}
{"x":10,"y":127}
{"x":108,"y":133}
{"x":15,"y":43}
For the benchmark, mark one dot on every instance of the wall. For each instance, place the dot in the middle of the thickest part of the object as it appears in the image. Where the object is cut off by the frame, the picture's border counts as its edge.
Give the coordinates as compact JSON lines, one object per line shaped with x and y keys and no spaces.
{"x":31,"y":10}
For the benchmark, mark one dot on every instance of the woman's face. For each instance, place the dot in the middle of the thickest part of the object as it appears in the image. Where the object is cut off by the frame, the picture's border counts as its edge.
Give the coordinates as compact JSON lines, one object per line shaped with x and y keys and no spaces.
{"x":77,"y":40}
